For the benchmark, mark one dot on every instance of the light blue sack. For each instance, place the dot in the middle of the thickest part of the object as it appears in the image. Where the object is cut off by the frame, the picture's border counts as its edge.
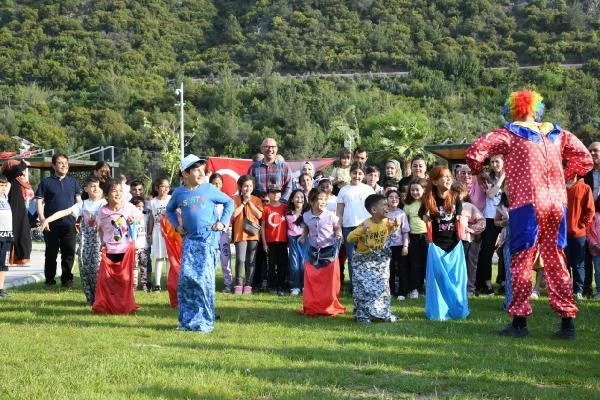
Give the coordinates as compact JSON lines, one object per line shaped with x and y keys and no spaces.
{"x":446,"y":284}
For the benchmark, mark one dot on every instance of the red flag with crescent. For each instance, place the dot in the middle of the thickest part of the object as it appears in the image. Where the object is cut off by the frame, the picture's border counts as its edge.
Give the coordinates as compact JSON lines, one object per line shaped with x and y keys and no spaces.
{"x":232,"y":168}
{"x":174,"y":245}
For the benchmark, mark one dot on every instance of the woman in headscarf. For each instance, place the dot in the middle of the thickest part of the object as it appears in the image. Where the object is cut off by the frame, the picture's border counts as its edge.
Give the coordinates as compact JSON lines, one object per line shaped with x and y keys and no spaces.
{"x":19,"y":195}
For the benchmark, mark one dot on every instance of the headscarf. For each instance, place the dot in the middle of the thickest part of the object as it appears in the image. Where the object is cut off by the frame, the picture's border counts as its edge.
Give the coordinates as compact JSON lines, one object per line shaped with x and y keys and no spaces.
{"x":13,"y":170}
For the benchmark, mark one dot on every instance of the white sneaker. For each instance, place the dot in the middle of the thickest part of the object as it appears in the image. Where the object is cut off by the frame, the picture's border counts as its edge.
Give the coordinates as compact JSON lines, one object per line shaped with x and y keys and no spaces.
{"x":295,"y":292}
{"x":414,"y":294}
{"x":578,"y":296}
{"x":401,"y":298}
{"x":534,"y":295}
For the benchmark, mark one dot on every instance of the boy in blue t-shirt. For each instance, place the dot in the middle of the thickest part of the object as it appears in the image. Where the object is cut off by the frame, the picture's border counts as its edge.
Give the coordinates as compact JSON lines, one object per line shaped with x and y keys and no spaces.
{"x":6,"y":232}
{"x":200,"y":228}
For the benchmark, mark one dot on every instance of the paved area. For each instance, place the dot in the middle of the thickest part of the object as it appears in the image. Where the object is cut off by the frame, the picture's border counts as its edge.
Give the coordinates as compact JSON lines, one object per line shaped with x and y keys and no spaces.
{"x":17,"y":276}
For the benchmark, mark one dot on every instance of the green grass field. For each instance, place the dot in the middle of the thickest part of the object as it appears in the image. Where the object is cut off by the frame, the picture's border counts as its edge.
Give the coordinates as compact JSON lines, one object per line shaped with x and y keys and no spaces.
{"x":55,"y":348}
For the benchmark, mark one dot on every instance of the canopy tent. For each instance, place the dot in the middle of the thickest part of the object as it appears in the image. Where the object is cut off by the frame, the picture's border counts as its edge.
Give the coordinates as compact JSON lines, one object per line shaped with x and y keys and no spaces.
{"x":453,"y":153}
{"x":45,"y":163}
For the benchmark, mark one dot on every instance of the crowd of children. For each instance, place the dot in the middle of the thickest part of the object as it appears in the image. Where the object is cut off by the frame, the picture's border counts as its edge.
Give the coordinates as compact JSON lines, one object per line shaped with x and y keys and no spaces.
{"x":429,"y":235}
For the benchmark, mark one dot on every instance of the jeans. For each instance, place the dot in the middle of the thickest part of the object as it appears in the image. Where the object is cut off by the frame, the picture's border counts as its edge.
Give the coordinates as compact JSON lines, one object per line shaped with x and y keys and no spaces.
{"x":225,"y":256}
{"x":350,"y":248}
{"x":296,"y":260}
{"x":575,"y":260}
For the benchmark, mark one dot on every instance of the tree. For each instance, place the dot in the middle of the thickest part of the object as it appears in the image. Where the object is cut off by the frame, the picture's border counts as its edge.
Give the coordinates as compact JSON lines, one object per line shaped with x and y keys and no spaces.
{"x":167,"y":140}
{"x":133,"y":164}
{"x":399,"y":133}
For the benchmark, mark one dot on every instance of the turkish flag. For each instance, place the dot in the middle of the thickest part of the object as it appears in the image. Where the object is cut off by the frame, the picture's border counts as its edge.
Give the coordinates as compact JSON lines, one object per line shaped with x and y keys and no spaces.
{"x":174,"y":245}
{"x":231,"y":169}
{"x":319,"y":164}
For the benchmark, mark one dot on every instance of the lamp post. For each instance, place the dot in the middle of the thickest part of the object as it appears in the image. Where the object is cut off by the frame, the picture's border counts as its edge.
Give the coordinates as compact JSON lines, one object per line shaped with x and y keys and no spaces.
{"x":181,"y":130}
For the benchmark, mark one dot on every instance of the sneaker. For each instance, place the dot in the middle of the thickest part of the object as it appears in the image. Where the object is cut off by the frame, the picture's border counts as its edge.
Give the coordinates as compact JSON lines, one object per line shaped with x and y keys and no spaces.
{"x":534,"y":295}
{"x":67,"y":285}
{"x":470,"y":294}
{"x":486,"y":291}
{"x":264,"y":287}
{"x":566,"y":334}
{"x":239,"y":289}
{"x":247,"y":290}
{"x":511,"y":331}
{"x":392,"y":318}
{"x":51,"y":286}
{"x":280,"y":293}
{"x":401,"y":298}
{"x":156,"y":289}
{"x":227,"y":289}
{"x":3,"y":293}
{"x":597,"y":297}
{"x":295,"y":292}
{"x":579,"y":296}
{"x":414,"y":294}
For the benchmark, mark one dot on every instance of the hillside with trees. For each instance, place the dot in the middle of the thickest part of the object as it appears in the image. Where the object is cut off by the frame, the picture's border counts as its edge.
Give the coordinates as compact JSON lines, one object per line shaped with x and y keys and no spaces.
{"x":80,"y":74}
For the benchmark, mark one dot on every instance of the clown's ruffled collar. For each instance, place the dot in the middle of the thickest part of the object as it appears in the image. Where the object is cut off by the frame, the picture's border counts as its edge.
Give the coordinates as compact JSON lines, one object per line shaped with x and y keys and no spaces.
{"x":533,"y":130}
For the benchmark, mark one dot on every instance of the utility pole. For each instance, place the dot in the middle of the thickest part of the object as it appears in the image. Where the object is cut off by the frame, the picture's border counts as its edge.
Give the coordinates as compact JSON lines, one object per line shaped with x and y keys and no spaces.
{"x":181,"y":128}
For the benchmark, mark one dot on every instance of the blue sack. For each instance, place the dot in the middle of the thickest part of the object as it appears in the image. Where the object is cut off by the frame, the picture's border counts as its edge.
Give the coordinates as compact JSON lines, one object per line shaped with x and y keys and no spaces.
{"x":446,"y":284}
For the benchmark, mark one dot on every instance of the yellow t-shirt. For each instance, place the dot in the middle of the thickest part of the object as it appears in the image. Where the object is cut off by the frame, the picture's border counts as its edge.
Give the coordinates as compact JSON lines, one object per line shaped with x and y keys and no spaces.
{"x":417,"y":225}
{"x":377,"y":234}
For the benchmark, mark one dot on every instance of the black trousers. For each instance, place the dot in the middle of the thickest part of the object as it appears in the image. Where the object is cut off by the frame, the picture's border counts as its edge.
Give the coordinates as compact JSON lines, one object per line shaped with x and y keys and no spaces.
{"x":260,"y":266}
{"x":399,"y":268}
{"x":278,"y":262}
{"x":63,"y":238}
{"x":417,"y":260}
{"x":486,"y":252}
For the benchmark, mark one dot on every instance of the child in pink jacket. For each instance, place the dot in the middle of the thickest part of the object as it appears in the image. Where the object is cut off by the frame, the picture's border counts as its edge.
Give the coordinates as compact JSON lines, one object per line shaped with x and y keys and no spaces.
{"x":593,"y":239}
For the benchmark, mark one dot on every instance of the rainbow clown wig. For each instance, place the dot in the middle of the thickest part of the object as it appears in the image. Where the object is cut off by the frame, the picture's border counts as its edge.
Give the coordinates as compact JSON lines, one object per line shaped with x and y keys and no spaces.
{"x":522,"y":104}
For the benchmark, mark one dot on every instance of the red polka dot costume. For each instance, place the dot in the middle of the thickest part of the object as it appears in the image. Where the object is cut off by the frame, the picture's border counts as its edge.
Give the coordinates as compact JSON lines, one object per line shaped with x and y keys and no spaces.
{"x":533,"y":160}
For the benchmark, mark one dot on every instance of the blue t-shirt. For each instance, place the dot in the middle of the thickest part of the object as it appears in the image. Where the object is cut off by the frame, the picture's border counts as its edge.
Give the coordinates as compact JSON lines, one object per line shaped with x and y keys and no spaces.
{"x":198,"y":210}
{"x":58,"y":194}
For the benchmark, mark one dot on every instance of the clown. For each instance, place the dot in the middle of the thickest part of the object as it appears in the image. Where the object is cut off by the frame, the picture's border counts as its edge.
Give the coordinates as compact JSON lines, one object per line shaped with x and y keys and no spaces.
{"x":533,"y":158}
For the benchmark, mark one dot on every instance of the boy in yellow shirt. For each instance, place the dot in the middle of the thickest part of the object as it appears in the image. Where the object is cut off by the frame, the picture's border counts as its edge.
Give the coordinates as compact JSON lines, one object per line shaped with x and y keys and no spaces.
{"x":371,"y":260}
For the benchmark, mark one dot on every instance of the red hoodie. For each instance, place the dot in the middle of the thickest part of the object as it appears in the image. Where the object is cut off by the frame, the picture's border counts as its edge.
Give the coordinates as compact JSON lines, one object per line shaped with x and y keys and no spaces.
{"x":580,"y":209}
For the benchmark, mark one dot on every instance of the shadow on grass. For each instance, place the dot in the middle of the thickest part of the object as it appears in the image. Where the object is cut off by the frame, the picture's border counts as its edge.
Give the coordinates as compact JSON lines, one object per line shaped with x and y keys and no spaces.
{"x":422,"y":372}
{"x":175,"y":393}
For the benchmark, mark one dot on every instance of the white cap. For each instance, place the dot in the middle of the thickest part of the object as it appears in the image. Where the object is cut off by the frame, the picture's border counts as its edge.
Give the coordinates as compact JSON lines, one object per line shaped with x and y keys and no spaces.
{"x":188,"y":161}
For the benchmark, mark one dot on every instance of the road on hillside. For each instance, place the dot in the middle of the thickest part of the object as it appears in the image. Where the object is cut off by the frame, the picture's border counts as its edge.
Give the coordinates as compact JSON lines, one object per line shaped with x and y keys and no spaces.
{"x":354,"y":75}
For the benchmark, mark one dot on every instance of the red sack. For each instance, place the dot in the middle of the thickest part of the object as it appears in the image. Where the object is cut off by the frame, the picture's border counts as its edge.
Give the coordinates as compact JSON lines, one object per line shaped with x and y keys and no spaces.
{"x":114,"y":290}
{"x":429,"y":232}
{"x":174,"y":245}
{"x":322,"y":290}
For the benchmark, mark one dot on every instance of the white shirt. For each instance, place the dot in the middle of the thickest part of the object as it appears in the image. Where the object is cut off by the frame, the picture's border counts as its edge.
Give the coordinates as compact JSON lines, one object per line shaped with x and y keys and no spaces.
{"x":353,"y":199}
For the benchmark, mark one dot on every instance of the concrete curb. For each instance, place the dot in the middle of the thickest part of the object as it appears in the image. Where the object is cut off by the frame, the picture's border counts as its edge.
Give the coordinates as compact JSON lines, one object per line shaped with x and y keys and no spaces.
{"x":26,"y":280}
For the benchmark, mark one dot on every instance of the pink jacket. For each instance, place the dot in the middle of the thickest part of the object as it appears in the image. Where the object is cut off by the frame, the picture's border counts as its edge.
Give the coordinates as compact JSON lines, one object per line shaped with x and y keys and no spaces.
{"x":475,"y":221}
{"x":593,"y":235}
